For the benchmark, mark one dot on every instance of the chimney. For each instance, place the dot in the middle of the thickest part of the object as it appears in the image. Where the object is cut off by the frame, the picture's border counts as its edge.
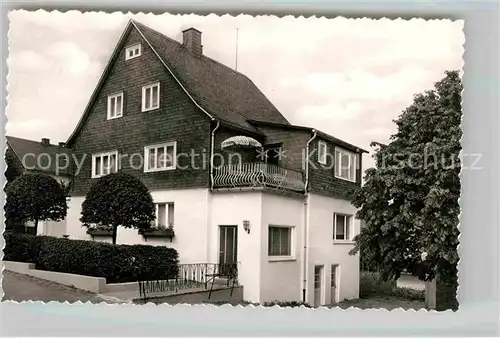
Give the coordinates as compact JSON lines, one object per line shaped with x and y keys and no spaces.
{"x":191,"y":39}
{"x":45,"y":142}
{"x":62,"y":144}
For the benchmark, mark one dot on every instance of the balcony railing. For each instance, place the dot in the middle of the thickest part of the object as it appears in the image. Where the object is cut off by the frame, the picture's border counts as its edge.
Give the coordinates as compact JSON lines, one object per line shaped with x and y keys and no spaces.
{"x":258,"y":175}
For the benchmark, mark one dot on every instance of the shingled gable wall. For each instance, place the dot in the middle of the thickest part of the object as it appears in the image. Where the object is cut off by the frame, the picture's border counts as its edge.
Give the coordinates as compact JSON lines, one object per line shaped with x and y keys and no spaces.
{"x":177,"y":119}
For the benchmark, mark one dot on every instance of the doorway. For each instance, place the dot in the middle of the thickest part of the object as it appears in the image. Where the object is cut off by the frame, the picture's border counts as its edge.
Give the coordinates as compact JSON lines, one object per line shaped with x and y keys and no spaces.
{"x":228,"y":248}
{"x":334,"y":275}
{"x":318,"y":285}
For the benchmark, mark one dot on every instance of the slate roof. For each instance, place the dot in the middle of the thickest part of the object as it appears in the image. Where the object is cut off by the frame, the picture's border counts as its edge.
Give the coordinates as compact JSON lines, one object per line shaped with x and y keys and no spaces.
{"x":34,"y":149}
{"x":220,"y":91}
{"x":321,"y":134}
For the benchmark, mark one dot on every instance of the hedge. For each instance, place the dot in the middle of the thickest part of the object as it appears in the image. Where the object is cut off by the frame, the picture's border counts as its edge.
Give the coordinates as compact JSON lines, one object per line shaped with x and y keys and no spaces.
{"x":116,"y":263}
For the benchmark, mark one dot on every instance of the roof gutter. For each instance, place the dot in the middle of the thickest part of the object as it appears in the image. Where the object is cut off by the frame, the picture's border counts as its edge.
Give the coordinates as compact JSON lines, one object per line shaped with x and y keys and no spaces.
{"x":306,"y":218}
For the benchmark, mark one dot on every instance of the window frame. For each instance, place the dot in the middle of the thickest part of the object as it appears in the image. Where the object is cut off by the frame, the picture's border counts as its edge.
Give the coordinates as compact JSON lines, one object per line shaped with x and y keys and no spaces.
{"x":290,"y":255}
{"x":102,"y":155}
{"x":143,"y":97}
{"x":133,"y":48}
{"x":157,"y":146}
{"x":167,"y":213}
{"x":352,"y":163}
{"x":110,"y":98}
{"x":348,"y":228}
{"x":322,"y":157}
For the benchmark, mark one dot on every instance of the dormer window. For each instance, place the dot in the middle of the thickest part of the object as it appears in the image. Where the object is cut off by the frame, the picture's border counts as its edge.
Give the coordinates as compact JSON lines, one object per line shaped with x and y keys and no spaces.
{"x":133,"y":51}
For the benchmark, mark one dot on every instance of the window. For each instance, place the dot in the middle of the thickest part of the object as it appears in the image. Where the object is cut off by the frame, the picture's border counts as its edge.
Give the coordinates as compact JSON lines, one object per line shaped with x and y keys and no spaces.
{"x":150,"y":97}
{"x":164,"y":215}
{"x":115,"y":106}
{"x":133,"y":51}
{"x":345,"y":165}
{"x":104,"y":163}
{"x":160,"y":157}
{"x":280,"y":241}
{"x":341,"y":227}
{"x":322,"y":152}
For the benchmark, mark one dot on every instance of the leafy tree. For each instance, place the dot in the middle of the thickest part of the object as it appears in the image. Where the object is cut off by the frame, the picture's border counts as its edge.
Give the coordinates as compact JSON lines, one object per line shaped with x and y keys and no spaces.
{"x":35,"y":197}
{"x":409,"y":203}
{"x":118,"y":199}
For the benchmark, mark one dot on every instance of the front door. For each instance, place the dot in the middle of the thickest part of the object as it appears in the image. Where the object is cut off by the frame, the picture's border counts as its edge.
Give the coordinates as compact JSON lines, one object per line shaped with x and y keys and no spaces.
{"x":318,"y":285}
{"x":333,"y":284}
{"x":228,"y":248}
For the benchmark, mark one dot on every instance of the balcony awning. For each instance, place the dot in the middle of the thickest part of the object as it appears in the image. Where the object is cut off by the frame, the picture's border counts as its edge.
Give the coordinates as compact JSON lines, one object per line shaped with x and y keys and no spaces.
{"x":240,"y":141}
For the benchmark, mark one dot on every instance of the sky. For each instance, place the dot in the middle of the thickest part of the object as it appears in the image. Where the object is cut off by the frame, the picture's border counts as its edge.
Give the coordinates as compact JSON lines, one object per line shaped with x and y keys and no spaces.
{"x":349,"y":78}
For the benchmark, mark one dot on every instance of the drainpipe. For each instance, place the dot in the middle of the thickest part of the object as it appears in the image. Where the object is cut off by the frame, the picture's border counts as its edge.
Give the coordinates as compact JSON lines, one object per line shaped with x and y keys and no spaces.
{"x":306,"y":218}
{"x":212,"y":145}
{"x":209,"y":204}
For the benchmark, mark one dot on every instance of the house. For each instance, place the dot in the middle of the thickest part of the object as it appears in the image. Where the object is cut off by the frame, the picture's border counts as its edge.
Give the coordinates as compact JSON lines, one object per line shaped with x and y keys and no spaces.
{"x":25,"y":156}
{"x":162,"y":111}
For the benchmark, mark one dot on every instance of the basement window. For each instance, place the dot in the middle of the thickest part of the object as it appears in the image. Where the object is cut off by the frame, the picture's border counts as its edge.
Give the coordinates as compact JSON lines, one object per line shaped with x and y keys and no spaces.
{"x":133,"y":51}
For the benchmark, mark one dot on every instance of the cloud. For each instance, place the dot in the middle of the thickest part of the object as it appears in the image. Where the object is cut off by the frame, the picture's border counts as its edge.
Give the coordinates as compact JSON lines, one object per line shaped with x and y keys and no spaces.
{"x":347,"y":77}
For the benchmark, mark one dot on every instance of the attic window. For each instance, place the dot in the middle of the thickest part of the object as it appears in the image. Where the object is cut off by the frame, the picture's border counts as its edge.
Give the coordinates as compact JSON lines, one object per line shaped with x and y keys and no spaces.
{"x":133,"y":51}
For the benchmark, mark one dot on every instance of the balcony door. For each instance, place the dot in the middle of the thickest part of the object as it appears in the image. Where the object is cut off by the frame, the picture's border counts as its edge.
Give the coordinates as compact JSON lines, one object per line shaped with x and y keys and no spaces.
{"x":228,"y":247}
{"x":273,"y":153}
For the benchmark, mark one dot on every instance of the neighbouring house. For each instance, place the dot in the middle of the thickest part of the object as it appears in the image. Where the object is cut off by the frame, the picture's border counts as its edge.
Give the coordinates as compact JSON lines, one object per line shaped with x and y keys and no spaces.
{"x":287,"y":221}
{"x":25,"y":156}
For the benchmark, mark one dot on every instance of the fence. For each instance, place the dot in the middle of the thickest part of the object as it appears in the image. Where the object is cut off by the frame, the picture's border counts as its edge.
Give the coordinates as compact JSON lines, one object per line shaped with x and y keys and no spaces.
{"x":191,"y":276}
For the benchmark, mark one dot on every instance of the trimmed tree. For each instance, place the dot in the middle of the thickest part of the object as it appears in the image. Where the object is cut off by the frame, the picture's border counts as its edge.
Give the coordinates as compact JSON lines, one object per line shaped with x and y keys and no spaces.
{"x":35,"y":197}
{"x":118,"y":199}
{"x":409,"y":203}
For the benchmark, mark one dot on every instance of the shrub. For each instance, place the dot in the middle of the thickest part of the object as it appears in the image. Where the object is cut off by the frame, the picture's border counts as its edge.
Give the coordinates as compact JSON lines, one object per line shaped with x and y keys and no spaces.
{"x":370,"y":285}
{"x":292,"y":303}
{"x":116,"y":263}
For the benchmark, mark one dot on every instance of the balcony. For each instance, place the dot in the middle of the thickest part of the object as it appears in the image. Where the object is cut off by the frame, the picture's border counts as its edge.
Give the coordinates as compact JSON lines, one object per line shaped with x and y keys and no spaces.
{"x":261,"y":175}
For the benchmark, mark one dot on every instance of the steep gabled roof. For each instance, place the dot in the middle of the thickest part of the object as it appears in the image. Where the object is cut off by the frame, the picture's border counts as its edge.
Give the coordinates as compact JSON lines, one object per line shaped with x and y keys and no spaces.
{"x":223,"y":92}
{"x":219,"y":91}
{"x":28,"y":152}
{"x":321,"y":134}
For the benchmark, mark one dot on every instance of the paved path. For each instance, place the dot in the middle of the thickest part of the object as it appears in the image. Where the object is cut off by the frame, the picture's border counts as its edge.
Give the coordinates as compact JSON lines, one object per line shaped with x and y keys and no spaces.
{"x":19,"y":287}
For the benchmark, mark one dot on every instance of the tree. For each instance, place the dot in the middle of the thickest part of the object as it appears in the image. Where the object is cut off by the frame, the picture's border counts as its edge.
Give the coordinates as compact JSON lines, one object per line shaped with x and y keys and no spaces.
{"x":35,"y":197}
{"x":118,"y":199}
{"x":409,"y":203}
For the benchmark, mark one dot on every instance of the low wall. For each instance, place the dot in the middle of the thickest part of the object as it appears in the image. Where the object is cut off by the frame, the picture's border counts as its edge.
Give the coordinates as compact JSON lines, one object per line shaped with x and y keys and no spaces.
{"x":92,"y":284}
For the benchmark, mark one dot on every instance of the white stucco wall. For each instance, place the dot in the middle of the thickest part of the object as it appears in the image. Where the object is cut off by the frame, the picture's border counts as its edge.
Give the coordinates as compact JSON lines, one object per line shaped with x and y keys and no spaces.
{"x":231,"y":208}
{"x":281,"y":278}
{"x":324,"y":251}
{"x":190,"y":224}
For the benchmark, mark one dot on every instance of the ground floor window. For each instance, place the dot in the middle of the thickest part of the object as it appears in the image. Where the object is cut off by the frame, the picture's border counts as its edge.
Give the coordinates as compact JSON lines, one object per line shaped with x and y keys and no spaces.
{"x":164,"y":215}
{"x":280,"y":241}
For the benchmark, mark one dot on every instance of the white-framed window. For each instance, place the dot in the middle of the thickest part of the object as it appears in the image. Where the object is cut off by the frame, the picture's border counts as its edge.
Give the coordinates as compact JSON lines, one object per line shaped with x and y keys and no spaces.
{"x":104,"y":163}
{"x":342,"y":227}
{"x":160,"y":157}
{"x":115,"y":106}
{"x":133,"y":51}
{"x":164,"y":215}
{"x":345,"y":164}
{"x":322,"y":149}
{"x":280,"y":241}
{"x":150,"y":97}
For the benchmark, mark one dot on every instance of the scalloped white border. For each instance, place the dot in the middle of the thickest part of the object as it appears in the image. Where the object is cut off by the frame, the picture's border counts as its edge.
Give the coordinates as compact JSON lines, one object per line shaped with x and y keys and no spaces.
{"x":351,"y":311}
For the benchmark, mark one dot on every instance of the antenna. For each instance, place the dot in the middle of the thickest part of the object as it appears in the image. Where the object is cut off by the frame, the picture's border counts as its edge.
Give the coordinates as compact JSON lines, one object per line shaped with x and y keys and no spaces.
{"x":236,"y":61}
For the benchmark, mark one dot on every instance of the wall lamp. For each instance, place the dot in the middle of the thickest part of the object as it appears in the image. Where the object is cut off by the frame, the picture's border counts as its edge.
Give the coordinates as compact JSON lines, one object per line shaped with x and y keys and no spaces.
{"x":246,"y":226}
